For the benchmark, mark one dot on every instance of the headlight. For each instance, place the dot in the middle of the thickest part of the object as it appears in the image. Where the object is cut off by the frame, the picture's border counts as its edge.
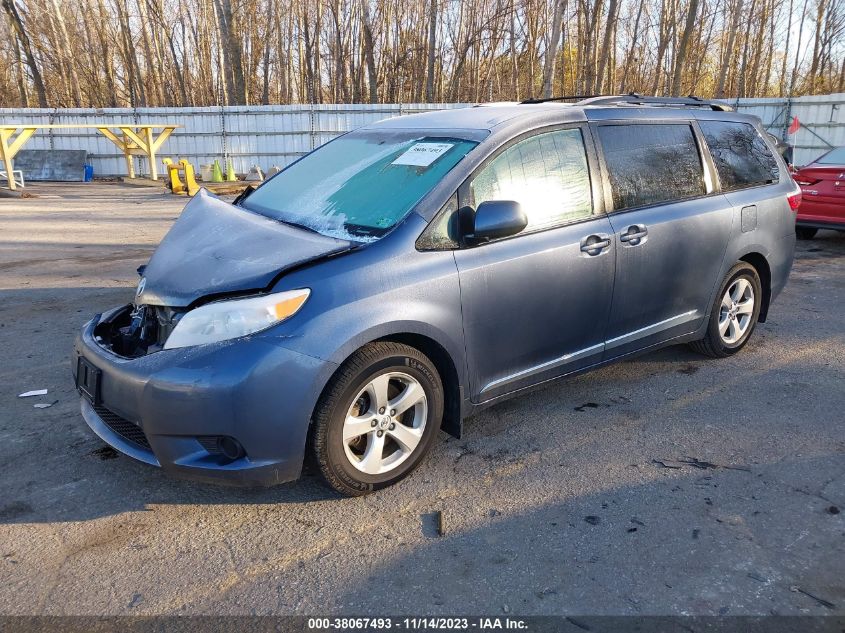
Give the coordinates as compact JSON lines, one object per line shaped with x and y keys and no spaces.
{"x":225,"y":320}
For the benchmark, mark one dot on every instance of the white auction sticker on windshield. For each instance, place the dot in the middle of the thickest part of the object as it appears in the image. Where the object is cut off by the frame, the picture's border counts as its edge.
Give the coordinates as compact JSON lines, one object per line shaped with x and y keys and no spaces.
{"x":423,"y":154}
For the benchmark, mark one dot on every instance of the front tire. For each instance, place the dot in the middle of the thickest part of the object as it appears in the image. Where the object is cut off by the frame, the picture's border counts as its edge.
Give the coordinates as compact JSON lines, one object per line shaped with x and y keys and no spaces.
{"x":377,"y":418}
{"x":734,"y":314}
{"x":805,"y":232}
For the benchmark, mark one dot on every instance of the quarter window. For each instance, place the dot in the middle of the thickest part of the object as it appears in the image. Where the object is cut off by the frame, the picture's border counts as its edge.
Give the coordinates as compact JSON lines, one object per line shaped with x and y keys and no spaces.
{"x":547,"y":174}
{"x":741,"y":156}
{"x":650,"y":164}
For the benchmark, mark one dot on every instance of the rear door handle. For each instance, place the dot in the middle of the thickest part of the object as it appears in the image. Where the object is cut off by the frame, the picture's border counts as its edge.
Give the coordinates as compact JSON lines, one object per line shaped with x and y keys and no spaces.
{"x":634,"y":235}
{"x":595,"y":244}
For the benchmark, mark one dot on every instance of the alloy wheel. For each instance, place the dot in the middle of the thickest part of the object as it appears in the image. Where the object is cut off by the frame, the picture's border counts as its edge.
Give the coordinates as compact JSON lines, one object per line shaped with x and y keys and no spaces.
{"x":736,"y":311}
{"x":385,"y":423}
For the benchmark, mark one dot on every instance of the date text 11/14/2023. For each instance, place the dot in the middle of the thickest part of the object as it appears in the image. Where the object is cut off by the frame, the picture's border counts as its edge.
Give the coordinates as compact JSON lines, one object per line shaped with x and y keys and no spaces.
{"x":417,"y":623}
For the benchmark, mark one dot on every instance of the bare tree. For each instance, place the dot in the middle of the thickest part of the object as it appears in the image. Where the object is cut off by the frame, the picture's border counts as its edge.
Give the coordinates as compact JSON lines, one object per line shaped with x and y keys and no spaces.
{"x":681,"y":53}
{"x":201,"y":52}
{"x":551,"y":49}
{"x":20,"y":32}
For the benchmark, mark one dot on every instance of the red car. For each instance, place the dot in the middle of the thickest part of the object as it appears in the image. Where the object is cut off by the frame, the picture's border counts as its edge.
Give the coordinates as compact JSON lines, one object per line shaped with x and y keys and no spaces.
{"x":822,"y":185}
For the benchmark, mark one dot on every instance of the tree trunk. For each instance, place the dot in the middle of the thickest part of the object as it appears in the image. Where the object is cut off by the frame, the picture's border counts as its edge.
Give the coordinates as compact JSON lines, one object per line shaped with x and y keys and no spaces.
{"x":794,"y":77}
{"x":67,"y":53}
{"x":743,"y":67}
{"x":19,"y":30}
{"x":368,"y":51}
{"x":681,"y":55}
{"x":20,"y":72}
{"x":154,"y":88}
{"x":268,"y":25}
{"x":551,"y":50}
{"x":231,"y":45}
{"x":662,"y":43}
{"x":817,"y":48}
{"x":729,"y":49}
{"x":632,"y":48}
{"x":432,"y":51}
{"x":782,"y":82}
{"x":605,"y":45}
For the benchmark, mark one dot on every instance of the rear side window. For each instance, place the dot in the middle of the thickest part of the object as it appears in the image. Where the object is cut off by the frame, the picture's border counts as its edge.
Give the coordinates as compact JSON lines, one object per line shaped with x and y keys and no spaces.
{"x":650,"y":164}
{"x":741,"y":156}
{"x":547,"y":174}
{"x":833,"y":157}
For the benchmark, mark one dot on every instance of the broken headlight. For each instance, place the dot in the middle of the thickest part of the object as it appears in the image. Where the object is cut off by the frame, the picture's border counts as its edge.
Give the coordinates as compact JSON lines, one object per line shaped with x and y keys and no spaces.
{"x":224,"y":320}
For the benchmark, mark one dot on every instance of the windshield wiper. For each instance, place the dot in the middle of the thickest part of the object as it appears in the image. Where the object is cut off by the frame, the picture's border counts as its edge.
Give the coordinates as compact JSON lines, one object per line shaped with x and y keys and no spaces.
{"x":298,"y":225}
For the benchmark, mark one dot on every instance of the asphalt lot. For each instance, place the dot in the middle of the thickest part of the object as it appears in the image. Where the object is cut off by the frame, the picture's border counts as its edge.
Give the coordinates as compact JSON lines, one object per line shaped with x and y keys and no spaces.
{"x":670,"y":484}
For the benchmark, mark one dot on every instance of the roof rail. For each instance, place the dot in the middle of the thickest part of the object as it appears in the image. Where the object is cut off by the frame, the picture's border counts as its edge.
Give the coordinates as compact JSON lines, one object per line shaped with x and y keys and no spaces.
{"x":562,"y":98}
{"x":669,"y":102}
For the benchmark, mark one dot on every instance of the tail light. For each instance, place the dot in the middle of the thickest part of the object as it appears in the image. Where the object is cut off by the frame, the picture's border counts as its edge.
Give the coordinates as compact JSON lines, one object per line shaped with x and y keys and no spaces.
{"x":794,"y":200}
{"x":806,"y":182}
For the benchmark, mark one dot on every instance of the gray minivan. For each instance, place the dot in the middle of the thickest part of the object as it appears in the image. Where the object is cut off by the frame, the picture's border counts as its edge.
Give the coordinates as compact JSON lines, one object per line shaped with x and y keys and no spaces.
{"x":409,"y":273}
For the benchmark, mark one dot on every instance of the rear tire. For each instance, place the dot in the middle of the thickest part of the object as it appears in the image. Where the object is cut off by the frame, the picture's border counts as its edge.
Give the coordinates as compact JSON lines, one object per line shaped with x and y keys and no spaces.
{"x":734,"y":313}
{"x":377,"y":418}
{"x":805,"y":232}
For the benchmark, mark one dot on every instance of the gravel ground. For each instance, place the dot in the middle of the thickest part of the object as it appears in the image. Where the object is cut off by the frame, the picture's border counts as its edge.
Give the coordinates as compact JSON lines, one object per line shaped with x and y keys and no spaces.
{"x":669,"y":484}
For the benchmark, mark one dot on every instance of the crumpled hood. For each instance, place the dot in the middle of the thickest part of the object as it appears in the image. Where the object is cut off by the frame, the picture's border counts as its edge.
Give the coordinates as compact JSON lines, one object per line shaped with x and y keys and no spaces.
{"x":215,"y":247}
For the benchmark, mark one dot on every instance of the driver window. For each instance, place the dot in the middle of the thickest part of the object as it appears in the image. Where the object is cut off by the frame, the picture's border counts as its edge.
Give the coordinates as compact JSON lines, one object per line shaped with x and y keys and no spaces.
{"x":547,"y":174}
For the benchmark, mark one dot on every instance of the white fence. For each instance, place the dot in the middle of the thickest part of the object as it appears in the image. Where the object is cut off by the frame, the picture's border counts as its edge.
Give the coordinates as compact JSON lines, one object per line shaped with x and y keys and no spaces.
{"x":277,"y":135}
{"x":822,"y":119}
{"x":263,"y":135}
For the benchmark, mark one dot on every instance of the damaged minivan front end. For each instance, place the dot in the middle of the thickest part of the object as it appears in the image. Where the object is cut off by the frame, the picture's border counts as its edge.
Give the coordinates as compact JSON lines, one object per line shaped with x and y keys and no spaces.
{"x":171,"y":379}
{"x":245,"y":311}
{"x":137,"y":330}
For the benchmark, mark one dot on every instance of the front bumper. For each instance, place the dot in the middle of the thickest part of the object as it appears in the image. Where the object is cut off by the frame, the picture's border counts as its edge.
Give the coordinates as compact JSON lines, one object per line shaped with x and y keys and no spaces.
{"x":165,"y":408}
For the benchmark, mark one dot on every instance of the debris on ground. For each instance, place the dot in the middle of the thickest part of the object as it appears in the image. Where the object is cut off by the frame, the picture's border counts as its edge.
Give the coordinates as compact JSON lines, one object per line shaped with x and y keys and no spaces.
{"x":587,"y":405}
{"x":665,"y":464}
{"x":441,"y":526}
{"x":694,"y":462}
{"x":34,"y":392}
{"x":821,"y":601}
{"x":592,"y":519}
{"x":833,"y":510}
{"x":45,"y":405}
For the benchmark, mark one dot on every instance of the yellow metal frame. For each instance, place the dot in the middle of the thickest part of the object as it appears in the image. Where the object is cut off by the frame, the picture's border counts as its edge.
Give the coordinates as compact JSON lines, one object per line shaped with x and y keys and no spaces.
{"x":136,"y":139}
{"x":172,"y":170}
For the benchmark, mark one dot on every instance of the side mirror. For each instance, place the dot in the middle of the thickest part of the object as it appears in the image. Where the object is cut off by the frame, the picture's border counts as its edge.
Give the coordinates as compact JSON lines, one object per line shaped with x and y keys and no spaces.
{"x":495,"y":219}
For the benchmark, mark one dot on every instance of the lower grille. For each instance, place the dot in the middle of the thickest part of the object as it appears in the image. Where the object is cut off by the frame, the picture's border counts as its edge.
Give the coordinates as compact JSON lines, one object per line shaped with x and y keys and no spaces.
{"x":123,"y":427}
{"x":210,"y":443}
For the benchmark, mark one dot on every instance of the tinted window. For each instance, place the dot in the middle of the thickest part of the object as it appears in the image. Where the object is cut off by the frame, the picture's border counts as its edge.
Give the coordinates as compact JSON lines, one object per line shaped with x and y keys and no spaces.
{"x":547,"y":174}
{"x":741,"y":156}
{"x":649,"y":164}
{"x":443,"y":232}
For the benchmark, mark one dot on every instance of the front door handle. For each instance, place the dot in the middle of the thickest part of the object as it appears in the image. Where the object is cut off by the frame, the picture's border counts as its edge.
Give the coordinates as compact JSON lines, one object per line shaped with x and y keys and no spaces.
{"x":634,"y":235}
{"x":595,"y":244}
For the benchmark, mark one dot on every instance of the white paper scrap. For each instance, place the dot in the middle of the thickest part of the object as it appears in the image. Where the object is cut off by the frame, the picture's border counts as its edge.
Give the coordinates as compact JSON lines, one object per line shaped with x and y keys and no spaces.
{"x":43,"y":405}
{"x":423,"y":154}
{"x":36,"y":392}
